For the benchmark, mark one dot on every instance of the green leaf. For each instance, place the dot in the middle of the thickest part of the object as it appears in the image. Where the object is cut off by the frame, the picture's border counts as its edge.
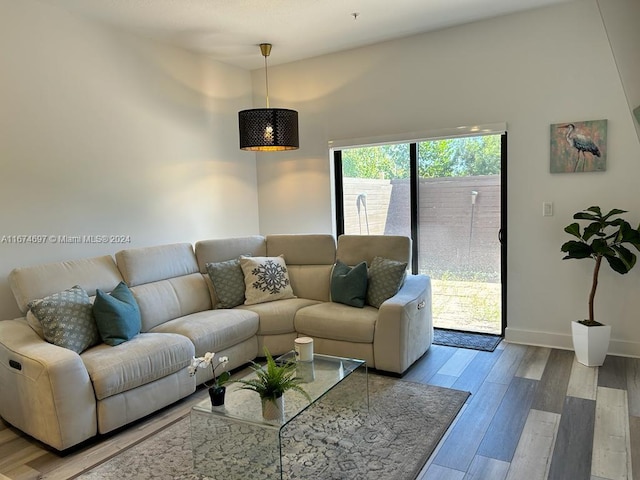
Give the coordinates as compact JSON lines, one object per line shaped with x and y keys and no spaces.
{"x":625,"y":255}
{"x":586,"y":216}
{"x":615,"y":211}
{"x":617,"y":265}
{"x":630,"y":234}
{"x":222,"y":378}
{"x":573,"y":229}
{"x":593,"y":229}
{"x":576,"y":249}
{"x":596,"y":210}
{"x":601,"y":247}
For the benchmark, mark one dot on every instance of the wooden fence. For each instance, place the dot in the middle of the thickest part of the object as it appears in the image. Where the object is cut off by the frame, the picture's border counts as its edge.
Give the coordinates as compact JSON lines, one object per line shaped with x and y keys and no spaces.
{"x":457,"y":235}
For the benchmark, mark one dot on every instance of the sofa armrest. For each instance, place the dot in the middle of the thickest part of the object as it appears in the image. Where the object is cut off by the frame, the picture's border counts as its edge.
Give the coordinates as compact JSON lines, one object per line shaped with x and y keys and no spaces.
{"x":404,"y":329}
{"x":46,"y":390}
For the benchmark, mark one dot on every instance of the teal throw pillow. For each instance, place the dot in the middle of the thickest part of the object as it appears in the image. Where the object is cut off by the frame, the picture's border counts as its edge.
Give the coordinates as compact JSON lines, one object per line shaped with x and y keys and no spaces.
{"x":66,"y":319}
{"x":228,"y":282}
{"x":117,"y":315}
{"x":349,"y":285}
{"x":385,"y":279}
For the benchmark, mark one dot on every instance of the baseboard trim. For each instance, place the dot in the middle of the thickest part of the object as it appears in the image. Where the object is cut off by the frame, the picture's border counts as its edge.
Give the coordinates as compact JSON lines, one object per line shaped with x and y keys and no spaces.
{"x":564,"y":342}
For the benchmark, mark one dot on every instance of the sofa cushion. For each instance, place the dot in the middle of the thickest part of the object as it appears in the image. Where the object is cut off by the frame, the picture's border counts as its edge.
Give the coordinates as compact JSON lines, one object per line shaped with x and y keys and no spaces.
{"x":143,"y":359}
{"x":228,"y":282}
{"x":266,"y":279}
{"x":176,"y":297}
{"x":303,"y":249}
{"x":66,"y":319}
{"x":353,"y":249}
{"x":161,"y":262}
{"x":277,"y":317}
{"x":213,"y":330}
{"x":311,"y":281}
{"x":349,"y":284}
{"x":385,"y":279}
{"x":222,"y":249}
{"x":38,"y":281}
{"x":117,"y":315}
{"x":337,"y":322}
{"x":310,"y":258}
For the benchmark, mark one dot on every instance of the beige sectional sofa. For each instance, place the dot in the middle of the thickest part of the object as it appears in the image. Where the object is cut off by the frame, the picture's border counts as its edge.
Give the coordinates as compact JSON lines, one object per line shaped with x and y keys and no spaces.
{"x":63,"y":398}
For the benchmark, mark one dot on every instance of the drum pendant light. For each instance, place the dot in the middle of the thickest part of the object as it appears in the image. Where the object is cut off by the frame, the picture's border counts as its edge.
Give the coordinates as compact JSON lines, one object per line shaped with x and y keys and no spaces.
{"x":268,"y":129}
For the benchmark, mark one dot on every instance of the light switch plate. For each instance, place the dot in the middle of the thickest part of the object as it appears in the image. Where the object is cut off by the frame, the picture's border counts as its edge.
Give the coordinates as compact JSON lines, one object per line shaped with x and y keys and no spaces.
{"x":547,"y":209}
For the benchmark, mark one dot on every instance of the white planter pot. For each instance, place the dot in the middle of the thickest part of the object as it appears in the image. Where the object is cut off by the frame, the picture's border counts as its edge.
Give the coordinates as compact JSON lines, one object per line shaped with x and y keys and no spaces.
{"x":273,"y":409}
{"x":590,"y":343}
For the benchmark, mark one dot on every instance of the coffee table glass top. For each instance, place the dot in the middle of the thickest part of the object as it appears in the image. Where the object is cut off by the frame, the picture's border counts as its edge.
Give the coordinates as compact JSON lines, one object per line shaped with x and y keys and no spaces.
{"x":319,"y":377}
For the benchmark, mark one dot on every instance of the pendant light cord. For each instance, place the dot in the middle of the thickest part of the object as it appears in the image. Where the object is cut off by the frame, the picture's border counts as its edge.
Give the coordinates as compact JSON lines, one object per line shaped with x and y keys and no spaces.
{"x":266,"y":78}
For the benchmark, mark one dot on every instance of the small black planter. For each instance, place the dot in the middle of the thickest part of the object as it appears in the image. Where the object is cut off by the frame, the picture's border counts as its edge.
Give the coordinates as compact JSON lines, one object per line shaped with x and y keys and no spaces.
{"x":217,"y":395}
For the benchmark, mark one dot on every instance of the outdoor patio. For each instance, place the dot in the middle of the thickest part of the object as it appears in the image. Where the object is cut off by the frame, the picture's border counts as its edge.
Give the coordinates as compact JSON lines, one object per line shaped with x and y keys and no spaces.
{"x":472,"y":306}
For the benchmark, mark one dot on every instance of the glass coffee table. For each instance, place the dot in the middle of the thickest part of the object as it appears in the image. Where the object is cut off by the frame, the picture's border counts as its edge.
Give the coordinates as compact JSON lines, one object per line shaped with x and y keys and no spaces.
{"x":233,"y":441}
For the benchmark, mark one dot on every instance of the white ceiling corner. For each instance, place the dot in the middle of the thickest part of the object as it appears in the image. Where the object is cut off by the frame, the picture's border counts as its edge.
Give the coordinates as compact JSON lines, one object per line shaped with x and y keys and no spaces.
{"x":230,"y":30}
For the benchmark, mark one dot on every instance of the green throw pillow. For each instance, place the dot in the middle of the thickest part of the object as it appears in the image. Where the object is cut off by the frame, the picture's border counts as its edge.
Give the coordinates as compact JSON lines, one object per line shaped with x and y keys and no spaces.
{"x":385,"y":279}
{"x":349,"y":285}
{"x":117,"y":315}
{"x":228,"y":283}
{"x":66,"y":319}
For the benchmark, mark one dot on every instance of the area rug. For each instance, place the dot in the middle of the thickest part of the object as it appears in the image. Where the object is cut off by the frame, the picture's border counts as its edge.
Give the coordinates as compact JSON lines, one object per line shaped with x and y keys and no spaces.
{"x":391,"y":441}
{"x":475,"y":341}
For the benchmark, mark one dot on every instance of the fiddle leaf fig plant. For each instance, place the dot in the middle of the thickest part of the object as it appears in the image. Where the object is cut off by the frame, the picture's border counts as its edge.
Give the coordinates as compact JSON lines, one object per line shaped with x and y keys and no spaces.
{"x":604,"y":237}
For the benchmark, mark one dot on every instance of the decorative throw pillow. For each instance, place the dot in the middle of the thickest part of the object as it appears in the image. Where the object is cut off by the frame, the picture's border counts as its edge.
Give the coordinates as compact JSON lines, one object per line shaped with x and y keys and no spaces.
{"x":228,"y":283}
{"x":265,"y":279}
{"x":66,"y":319}
{"x":349,"y":285}
{"x":385,"y":279}
{"x":117,"y":315}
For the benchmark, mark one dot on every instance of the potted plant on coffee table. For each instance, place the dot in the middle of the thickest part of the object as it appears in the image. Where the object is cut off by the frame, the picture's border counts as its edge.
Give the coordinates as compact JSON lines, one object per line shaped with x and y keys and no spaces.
{"x":216,"y":385}
{"x":604,"y":237}
{"x":270,"y":383}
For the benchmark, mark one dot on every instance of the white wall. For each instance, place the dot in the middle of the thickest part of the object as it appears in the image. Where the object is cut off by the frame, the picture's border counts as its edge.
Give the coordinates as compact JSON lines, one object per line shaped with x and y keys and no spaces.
{"x":104,"y":133}
{"x":529,"y":70}
{"x":621,"y":18}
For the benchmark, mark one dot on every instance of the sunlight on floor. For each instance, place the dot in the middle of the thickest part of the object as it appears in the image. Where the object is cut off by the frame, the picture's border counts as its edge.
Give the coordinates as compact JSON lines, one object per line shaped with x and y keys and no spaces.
{"x":472,"y":306}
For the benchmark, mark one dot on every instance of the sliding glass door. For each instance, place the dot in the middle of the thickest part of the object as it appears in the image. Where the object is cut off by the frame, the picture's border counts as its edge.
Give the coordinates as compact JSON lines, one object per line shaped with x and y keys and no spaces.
{"x":459,"y":227}
{"x":448,"y":196}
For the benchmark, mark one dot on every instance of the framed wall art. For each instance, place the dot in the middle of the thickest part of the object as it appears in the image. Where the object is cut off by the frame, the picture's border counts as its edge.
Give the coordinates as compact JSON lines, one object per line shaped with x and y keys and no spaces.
{"x":579,"y":147}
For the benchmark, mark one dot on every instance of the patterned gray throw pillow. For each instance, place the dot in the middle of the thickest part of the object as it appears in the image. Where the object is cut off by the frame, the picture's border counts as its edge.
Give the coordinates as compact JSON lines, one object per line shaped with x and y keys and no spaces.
{"x":228,"y":283}
{"x":385,"y":279}
{"x":67,"y":319}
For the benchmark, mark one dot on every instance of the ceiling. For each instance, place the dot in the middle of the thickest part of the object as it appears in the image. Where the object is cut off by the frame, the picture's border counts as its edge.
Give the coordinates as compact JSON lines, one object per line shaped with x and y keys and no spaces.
{"x":230,"y":30}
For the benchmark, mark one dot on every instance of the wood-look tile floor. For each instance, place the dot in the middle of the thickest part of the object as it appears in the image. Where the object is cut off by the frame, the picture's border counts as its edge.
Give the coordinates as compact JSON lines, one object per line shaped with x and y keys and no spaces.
{"x":534,"y":413}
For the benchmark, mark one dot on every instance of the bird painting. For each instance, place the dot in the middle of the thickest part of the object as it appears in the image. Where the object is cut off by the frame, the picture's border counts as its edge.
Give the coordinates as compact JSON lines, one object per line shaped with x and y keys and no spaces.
{"x":578,"y":146}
